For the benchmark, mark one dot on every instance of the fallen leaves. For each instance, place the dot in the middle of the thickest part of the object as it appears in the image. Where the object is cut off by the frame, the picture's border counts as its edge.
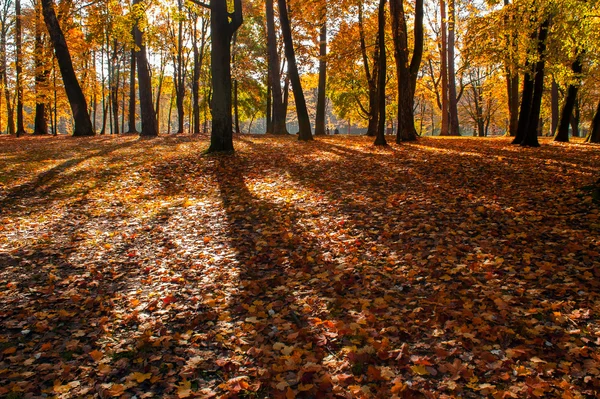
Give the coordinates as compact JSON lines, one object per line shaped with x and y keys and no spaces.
{"x":461,"y":267}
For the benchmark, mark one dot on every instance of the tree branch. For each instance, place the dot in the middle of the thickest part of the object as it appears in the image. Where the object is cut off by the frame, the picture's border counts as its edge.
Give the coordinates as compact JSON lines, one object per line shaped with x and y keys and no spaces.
{"x":236,"y":16}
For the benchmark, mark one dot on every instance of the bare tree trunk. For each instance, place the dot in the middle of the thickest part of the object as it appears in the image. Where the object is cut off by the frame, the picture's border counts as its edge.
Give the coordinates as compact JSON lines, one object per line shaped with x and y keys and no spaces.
{"x":320,"y":117}
{"x":132,"y":97}
{"x":406,"y":73}
{"x":305,"y":133}
{"x":19,"y":68}
{"x":554,"y":105}
{"x":454,"y":129}
{"x":562,"y":135}
{"x":236,"y":109}
{"x":42,"y":73}
{"x":444,"y":71}
{"x":380,"y":139}
{"x":149,"y":122}
{"x":223,"y":26}
{"x":279,"y":111}
{"x":530,"y":138}
{"x":81,"y":116}
{"x":594,"y":135}
{"x":373,"y":111}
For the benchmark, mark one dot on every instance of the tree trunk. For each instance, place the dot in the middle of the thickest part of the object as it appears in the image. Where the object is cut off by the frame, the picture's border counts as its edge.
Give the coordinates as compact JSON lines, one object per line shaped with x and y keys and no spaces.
{"x":236,"y":109}
{"x":222,"y":32}
{"x":149,"y":122}
{"x":373,"y":111}
{"x":594,"y":135}
{"x":530,"y":138}
{"x":305,"y":133}
{"x":279,"y":114}
{"x":179,"y":73}
{"x":380,"y":139}
{"x":406,"y":73}
{"x":562,"y":135}
{"x":198,"y":61}
{"x":444,"y":71}
{"x":132,"y":98}
{"x":114,"y":87}
{"x":10,"y":121}
{"x":77,"y":101}
{"x":512,"y":81}
{"x":575,"y":118}
{"x":19,"y":68}
{"x":454,"y":129}
{"x":320,"y":117}
{"x":554,"y":105}
{"x":525,"y":109}
{"x":42,"y":74}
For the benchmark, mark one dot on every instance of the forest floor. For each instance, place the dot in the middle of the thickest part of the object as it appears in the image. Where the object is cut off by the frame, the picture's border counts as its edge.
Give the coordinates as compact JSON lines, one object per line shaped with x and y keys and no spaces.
{"x":453,"y":267}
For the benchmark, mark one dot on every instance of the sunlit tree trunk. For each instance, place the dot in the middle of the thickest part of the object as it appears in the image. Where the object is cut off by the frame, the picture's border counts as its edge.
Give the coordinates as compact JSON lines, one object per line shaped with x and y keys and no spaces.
{"x":444,"y":70}
{"x":278,"y":125}
{"x":320,"y":117}
{"x":19,"y":68}
{"x":198,"y":61}
{"x":179,"y":73}
{"x":149,"y":122}
{"x":454,"y":129}
{"x":132,"y":97}
{"x":77,"y":101}
{"x":594,"y":135}
{"x":114,"y":77}
{"x":380,"y":138}
{"x":305,"y":133}
{"x":562,"y":135}
{"x":554,"y":105}
{"x":373,"y":110}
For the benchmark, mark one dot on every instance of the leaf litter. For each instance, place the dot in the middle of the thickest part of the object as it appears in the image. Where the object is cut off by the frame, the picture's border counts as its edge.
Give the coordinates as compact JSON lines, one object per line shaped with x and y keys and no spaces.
{"x":443,"y":268}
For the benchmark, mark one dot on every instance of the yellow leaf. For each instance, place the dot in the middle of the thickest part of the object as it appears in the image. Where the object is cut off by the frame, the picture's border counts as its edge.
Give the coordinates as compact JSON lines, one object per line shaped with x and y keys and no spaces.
{"x":290,"y":394}
{"x":306,"y":387}
{"x":140,"y":377}
{"x":278,"y":346}
{"x":288,"y":350}
{"x":419,"y":369}
{"x":184,"y":389}
{"x":58,"y":388}
{"x":282,"y":385}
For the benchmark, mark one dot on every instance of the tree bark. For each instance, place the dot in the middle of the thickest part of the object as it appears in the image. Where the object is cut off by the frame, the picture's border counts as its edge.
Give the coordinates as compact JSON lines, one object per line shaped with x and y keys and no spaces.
{"x":42,"y":74}
{"x":305,"y":133}
{"x":531,"y":133}
{"x":132,"y":97}
{"x":594,"y":135}
{"x":454,"y":129}
{"x":114,"y":87}
{"x":149,"y":122}
{"x":554,"y":105}
{"x":562,"y":135}
{"x":279,"y":115}
{"x":19,"y":68}
{"x":373,"y":111}
{"x":179,"y":73}
{"x":77,"y":101}
{"x":222,"y":30}
{"x":444,"y":71}
{"x":406,"y":73}
{"x":320,"y":117}
{"x":380,"y":138}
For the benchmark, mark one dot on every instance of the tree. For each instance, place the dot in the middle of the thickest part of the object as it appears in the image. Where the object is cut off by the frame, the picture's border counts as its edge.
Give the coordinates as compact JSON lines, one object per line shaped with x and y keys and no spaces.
{"x":19,"y":68}
{"x":149,"y":122}
{"x":77,"y":101}
{"x":562,"y":134}
{"x":278,"y":125}
{"x":305,"y":133}
{"x":6,"y":24}
{"x":452,"y":97}
{"x":223,"y":25}
{"x":371,"y":75}
{"x":444,"y":70}
{"x":320,"y":117}
{"x":594,"y":135}
{"x":380,"y":138}
{"x":406,"y":72}
{"x":132,"y":101}
{"x":42,"y":73}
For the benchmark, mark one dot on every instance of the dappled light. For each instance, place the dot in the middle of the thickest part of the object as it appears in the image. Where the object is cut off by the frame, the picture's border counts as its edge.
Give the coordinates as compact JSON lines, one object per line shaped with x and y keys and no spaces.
{"x":332,"y":268}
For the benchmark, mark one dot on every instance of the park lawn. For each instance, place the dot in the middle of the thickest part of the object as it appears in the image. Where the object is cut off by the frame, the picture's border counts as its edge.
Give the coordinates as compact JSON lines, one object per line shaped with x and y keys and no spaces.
{"x":451,"y":266}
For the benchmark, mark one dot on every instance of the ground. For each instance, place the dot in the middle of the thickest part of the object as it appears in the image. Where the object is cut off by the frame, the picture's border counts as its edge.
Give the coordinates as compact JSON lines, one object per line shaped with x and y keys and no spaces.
{"x":453,"y":267}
